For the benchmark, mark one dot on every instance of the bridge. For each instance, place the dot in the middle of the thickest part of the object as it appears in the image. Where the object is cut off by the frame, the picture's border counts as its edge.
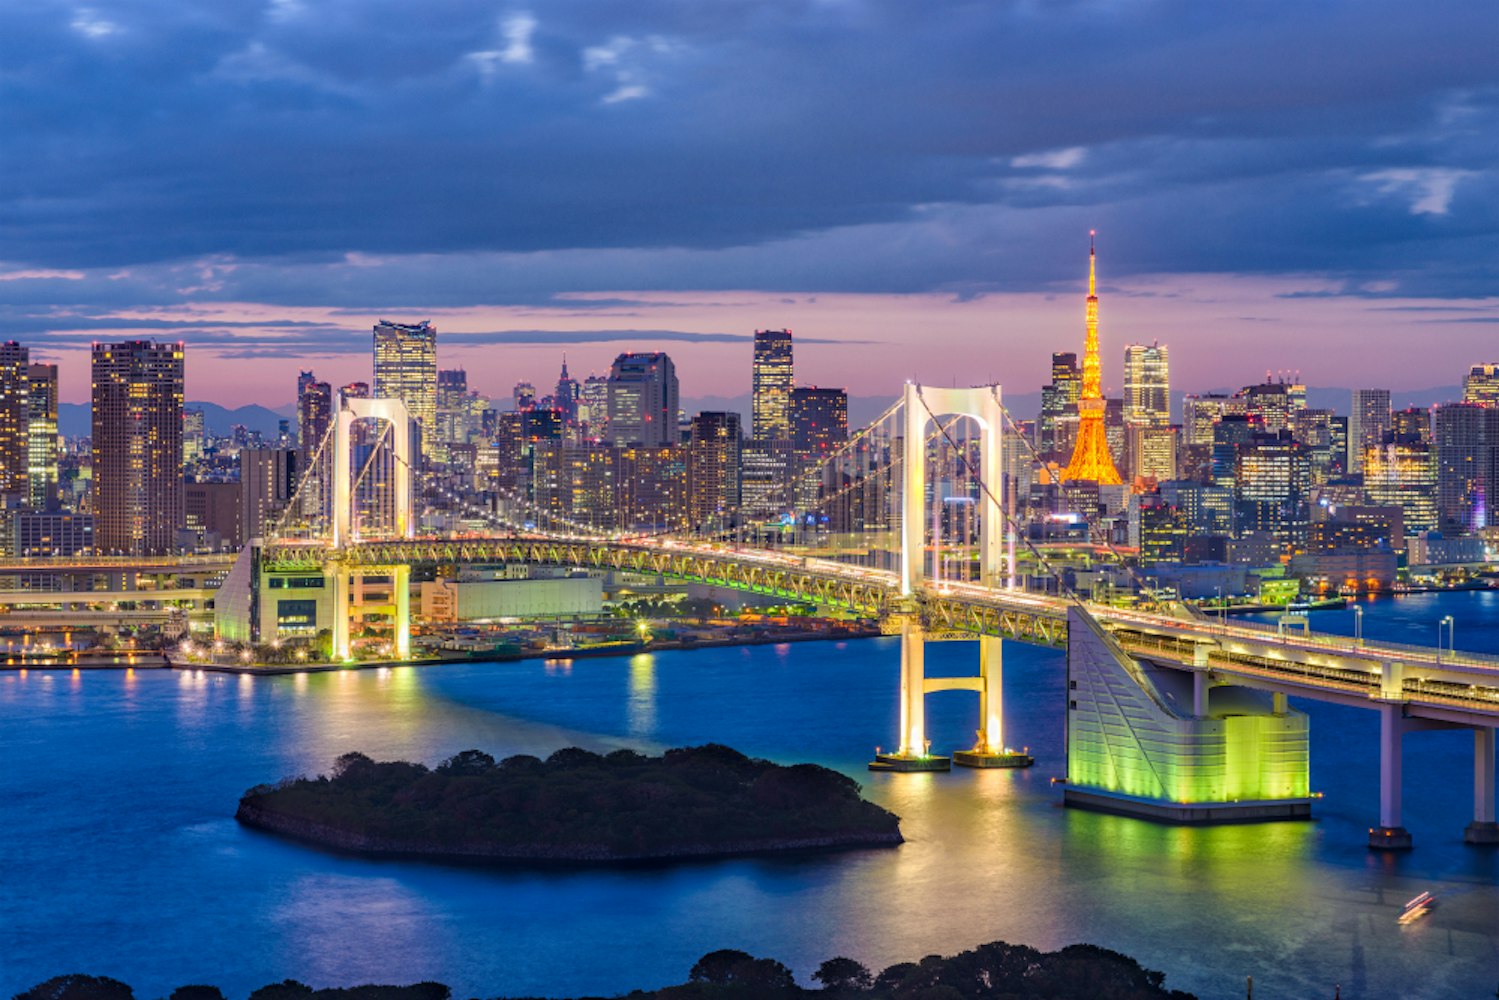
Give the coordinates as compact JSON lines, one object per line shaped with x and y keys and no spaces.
{"x":1171,"y":715}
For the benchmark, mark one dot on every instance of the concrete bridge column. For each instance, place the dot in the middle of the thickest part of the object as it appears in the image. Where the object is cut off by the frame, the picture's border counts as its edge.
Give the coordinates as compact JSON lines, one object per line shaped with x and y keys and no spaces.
{"x":343,"y":648}
{"x":991,"y":694}
{"x":1201,"y":684}
{"x":1392,"y":680}
{"x":1483,"y":829}
{"x":400,"y":584}
{"x":912,"y":689}
{"x":1389,"y":835}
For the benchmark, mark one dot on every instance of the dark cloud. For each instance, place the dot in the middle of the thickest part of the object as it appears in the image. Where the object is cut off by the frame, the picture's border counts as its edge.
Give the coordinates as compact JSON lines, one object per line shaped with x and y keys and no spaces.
{"x":478,"y":153}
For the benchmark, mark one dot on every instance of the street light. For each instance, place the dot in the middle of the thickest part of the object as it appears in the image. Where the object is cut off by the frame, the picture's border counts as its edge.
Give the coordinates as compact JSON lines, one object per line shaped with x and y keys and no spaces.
{"x":1451,"y":634}
{"x":1358,"y":624}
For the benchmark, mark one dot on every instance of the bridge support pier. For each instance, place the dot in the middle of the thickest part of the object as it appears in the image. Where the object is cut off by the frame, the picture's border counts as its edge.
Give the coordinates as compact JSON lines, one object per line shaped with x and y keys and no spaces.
{"x":1483,"y":829}
{"x":1389,"y":835}
{"x":914,"y":752}
{"x":989,"y":748}
{"x":343,"y":647}
{"x":400,"y":585}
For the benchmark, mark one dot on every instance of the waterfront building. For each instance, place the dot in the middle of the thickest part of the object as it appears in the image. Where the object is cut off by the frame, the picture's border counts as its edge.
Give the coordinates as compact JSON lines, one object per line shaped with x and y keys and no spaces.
{"x":715,"y":444}
{"x":1147,"y":386}
{"x":213,"y":513}
{"x":1272,"y":488}
{"x":1368,"y":423}
{"x":1481,"y":385}
{"x":137,"y":446}
{"x":314,"y":412}
{"x":1467,"y":437}
{"x":1092,"y":461}
{"x":1402,"y":472}
{"x":53,"y":533}
{"x":771,"y":379}
{"x":42,"y":448}
{"x":406,"y":369}
{"x":15,"y":422}
{"x":643,"y":400}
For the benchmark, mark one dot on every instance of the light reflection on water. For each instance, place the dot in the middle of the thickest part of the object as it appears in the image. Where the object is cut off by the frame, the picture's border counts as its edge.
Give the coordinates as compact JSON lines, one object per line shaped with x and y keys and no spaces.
{"x":120,"y":857}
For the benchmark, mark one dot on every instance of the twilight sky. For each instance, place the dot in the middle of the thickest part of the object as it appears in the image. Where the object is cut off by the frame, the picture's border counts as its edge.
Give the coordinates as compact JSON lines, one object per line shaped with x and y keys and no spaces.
{"x":908,"y":186}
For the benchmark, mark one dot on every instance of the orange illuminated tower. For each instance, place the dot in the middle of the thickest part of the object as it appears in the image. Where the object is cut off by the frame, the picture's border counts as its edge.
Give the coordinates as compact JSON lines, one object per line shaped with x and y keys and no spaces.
{"x":1091,"y":461}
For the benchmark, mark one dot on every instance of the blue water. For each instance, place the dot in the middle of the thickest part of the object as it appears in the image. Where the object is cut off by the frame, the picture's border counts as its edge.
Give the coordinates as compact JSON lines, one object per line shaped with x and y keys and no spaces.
{"x":119,"y":854}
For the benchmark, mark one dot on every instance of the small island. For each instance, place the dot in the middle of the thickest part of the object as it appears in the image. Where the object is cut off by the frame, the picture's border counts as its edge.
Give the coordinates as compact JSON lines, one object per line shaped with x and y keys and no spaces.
{"x":575,"y":806}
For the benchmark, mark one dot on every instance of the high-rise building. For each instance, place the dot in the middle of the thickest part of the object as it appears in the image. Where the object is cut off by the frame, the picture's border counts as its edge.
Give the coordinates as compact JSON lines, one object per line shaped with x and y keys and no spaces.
{"x":1467,"y":438}
{"x":653,"y":487}
{"x":1368,"y":423}
{"x":1272,"y":489}
{"x":523,"y":395}
{"x":819,"y":420}
{"x":406,"y":369}
{"x":1273,"y":404}
{"x":454,"y":415}
{"x":1481,"y":384}
{"x":593,"y":406}
{"x":194,"y":436}
{"x":1147,"y":386}
{"x":1091,"y":461}
{"x":643,"y":400}
{"x":137,"y":441}
{"x":41,"y":436}
{"x":1402,"y":473}
{"x":713,"y":461}
{"x":15,"y":423}
{"x":567,"y":395}
{"x":1056,"y":430}
{"x":771,"y":379}
{"x":314,"y":412}
{"x":267,"y":480}
{"x":1153,"y":452}
{"x":1412,"y":423}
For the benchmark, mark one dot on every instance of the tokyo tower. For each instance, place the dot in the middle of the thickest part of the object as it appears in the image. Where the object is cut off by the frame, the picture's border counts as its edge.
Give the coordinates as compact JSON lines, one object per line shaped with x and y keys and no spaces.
{"x":1091,"y":461}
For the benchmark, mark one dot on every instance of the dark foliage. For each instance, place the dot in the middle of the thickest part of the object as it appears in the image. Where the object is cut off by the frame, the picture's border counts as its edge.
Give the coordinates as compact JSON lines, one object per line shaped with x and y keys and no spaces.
{"x":78,"y":987}
{"x":575,"y":804}
{"x":197,"y":993}
{"x":996,"y":971}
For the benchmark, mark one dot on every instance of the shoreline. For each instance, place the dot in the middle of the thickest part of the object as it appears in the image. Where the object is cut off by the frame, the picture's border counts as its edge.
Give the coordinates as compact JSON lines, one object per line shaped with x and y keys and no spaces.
{"x":586,"y":653}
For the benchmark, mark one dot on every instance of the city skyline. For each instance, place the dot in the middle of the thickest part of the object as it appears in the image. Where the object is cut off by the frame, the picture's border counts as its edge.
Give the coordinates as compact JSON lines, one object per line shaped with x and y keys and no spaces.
{"x":925,"y":181}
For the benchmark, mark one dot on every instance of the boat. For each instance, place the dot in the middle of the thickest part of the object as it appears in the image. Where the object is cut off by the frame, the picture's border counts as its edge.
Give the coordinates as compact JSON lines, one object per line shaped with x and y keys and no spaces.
{"x":1417,"y":908}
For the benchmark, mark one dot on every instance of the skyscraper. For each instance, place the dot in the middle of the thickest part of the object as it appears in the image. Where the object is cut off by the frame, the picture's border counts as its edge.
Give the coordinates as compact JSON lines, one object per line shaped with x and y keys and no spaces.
{"x":41,"y":436}
{"x":1147,"y":386}
{"x":267,"y":480}
{"x":137,"y":438}
{"x":1368,"y":423}
{"x":643,"y":400}
{"x":1057,"y":428}
{"x":713,"y":462}
{"x":1467,"y":438}
{"x":1091,"y":461}
{"x":314,"y":412}
{"x":819,"y":421}
{"x":1272,"y":488}
{"x":15,"y":421}
{"x":771,"y":378}
{"x":1481,"y":384}
{"x":567,"y":395}
{"x":406,"y":369}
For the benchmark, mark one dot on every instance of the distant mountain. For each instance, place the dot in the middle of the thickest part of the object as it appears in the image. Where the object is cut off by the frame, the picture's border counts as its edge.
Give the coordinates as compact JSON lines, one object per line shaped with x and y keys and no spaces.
{"x":75,"y":419}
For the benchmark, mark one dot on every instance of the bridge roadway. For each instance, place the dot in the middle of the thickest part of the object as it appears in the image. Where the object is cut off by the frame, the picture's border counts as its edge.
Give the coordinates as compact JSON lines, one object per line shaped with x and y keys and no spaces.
{"x":1439,"y":685}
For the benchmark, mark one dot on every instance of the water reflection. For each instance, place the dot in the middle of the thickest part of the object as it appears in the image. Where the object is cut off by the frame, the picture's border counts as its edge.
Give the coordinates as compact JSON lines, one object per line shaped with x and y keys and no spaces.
{"x":643,"y":695}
